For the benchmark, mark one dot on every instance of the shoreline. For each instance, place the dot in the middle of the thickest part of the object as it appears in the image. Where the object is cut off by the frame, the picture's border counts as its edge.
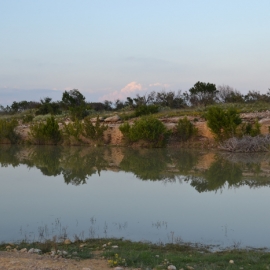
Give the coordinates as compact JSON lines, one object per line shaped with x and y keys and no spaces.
{"x":108,"y":253}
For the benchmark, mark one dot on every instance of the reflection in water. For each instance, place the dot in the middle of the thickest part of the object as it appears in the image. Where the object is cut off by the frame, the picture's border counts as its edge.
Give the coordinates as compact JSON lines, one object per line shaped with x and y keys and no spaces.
{"x":77,"y":164}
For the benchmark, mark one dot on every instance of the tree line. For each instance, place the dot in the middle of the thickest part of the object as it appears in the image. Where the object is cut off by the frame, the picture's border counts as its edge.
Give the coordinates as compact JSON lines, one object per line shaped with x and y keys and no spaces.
{"x":201,"y":94}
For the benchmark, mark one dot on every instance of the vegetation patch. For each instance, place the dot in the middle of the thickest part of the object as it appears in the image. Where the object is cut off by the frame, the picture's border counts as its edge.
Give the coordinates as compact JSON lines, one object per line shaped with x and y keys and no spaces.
{"x":49,"y":132}
{"x":148,"y":129}
{"x":185,"y":130}
{"x":143,"y":255}
{"x":7,"y":130}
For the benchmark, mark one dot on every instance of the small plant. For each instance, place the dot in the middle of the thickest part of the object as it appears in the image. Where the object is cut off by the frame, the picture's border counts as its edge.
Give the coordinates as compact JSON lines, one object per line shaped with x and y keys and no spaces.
{"x":7,"y":130}
{"x":185,"y":129}
{"x":223,"y":123}
{"x":116,"y":260}
{"x":252,"y":130}
{"x":46,"y":133}
{"x":94,"y":132}
{"x":149,"y":129}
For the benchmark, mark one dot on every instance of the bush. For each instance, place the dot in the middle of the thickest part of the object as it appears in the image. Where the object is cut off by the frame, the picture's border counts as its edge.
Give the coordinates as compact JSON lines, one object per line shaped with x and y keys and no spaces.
{"x":7,"y":130}
{"x":185,"y":129}
{"x":94,"y":132}
{"x":252,"y":130}
{"x":74,"y":129}
{"x":27,"y":118}
{"x":46,"y":133}
{"x":147,"y":128}
{"x":146,"y":109}
{"x":222,"y":123}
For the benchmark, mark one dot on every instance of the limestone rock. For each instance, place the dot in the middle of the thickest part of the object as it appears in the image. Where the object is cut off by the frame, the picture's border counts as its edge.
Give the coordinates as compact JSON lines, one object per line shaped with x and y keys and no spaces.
{"x":34,"y":250}
{"x":118,"y":268}
{"x":190,"y":268}
{"x":114,"y":246}
{"x":231,"y":261}
{"x":171,"y":267}
{"x":114,"y":118}
{"x":23,"y":250}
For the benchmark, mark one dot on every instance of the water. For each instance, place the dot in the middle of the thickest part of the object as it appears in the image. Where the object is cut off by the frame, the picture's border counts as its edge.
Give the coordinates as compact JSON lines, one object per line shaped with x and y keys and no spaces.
{"x":158,"y":195}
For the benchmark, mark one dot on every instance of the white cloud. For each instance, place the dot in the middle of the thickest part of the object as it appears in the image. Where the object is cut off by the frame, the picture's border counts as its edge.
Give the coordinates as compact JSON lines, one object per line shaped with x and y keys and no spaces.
{"x":129,"y":90}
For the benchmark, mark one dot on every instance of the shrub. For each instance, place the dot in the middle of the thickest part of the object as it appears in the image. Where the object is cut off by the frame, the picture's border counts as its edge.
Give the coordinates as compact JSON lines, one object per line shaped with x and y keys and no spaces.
{"x":7,"y":130}
{"x":252,"y":130}
{"x":223,"y":123}
{"x":74,"y":129}
{"x":185,"y":129}
{"x":46,"y":133}
{"x":94,"y":132}
{"x":146,"y":109}
{"x":27,"y":118}
{"x":149,"y":129}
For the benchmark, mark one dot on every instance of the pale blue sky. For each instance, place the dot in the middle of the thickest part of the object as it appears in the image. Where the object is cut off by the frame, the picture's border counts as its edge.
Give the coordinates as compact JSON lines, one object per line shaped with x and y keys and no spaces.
{"x":117,"y":48}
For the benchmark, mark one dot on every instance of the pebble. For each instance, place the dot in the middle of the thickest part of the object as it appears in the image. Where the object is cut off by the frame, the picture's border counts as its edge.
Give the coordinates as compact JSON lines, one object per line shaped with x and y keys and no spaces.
{"x":231,"y":261}
{"x":171,"y":267}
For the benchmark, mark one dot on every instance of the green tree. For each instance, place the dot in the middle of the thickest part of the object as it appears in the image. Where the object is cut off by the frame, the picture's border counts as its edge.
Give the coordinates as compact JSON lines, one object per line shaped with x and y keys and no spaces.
{"x":203,"y":93}
{"x":74,"y":101}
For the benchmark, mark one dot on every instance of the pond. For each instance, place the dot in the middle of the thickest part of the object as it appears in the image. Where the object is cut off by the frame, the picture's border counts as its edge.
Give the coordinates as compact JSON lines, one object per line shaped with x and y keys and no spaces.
{"x":158,"y":195}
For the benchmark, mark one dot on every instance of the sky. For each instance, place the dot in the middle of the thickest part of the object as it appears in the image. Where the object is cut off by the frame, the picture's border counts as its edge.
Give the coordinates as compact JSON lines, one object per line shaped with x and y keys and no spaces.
{"x":110,"y":49}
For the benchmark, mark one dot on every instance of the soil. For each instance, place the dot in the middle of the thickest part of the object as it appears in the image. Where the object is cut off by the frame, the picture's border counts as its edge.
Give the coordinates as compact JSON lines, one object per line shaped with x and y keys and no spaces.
{"x":18,"y":261}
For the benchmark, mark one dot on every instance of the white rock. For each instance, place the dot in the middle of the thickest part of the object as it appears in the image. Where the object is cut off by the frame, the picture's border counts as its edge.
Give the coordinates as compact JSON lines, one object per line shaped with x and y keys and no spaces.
{"x":114,"y":118}
{"x":118,"y":268}
{"x":231,"y":261}
{"x":105,"y":245}
{"x":23,"y":250}
{"x":190,"y":268}
{"x":86,"y":269}
{"x":52,"y":253}
{"x":34,"y":250}
{"x":82,"y":245}
{"x":157,"y":256}
{"x":171,"y":267}
{"x":114,"y":246}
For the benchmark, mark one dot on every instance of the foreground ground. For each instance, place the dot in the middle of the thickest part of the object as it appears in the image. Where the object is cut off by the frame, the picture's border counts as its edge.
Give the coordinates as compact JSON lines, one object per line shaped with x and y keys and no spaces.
{"x":96,"y":254}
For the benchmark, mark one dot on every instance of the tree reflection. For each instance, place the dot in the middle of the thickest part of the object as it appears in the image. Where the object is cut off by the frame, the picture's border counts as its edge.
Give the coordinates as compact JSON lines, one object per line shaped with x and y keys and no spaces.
{"x":201,"y":171}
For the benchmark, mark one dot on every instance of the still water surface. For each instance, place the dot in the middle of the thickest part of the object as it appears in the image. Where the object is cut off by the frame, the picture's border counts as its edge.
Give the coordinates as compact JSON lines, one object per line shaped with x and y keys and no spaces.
{"x":158,"y":195}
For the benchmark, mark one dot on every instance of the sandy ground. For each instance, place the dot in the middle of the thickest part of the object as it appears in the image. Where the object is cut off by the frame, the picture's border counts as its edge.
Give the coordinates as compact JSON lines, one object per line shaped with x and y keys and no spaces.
{"x":18,"y":261}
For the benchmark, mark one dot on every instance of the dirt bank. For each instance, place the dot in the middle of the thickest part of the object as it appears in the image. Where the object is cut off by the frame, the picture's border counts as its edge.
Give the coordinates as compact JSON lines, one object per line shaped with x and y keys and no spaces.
{"x":113,"y":136}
